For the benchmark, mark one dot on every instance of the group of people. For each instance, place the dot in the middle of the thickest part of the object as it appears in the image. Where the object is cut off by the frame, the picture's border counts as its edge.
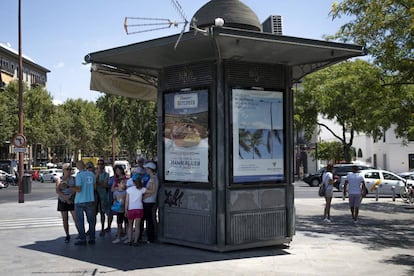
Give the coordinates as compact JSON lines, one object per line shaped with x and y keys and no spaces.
{"x":131,"y":199}
{"x":354,"y":186}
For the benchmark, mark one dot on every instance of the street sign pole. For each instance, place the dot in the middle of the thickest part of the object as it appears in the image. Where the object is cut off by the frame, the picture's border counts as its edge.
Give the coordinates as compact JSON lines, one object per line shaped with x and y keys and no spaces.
{"x":20,"y":71}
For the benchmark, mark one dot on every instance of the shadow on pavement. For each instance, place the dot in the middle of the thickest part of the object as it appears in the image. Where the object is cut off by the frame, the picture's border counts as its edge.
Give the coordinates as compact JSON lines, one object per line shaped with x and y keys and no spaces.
{"x":372,"y":230}
{"x":126,"y":258}
{"x":401,"y":259}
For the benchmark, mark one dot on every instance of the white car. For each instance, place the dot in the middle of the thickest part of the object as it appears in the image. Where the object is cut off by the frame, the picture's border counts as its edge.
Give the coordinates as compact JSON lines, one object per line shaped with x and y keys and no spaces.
{"x":382,"y":180}
{"x":3,"y":175}
{"x":50,"y":175}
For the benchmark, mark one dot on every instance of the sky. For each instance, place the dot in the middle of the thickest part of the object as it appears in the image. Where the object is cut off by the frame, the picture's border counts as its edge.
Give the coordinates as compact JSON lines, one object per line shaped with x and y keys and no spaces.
{"x":58,"y":34}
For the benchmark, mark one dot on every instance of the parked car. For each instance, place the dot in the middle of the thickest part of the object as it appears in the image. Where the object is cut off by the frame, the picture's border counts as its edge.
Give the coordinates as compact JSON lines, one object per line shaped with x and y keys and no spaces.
{"x":50,"y":175}
{"x":382,"y":180}
{"x":314,"y":179}
{"x":4,"y":175}
{"x":338,"y":171}
{"x":407,"y":175}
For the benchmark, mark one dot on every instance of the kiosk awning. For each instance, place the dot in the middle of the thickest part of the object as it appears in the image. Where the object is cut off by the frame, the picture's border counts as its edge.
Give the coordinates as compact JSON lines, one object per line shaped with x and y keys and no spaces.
{"x":132,"y":70}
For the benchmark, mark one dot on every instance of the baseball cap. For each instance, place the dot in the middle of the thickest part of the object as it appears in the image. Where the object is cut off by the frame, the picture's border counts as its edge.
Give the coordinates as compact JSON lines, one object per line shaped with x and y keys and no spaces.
{"x":150,"y":165}
{"x":89,"y":165}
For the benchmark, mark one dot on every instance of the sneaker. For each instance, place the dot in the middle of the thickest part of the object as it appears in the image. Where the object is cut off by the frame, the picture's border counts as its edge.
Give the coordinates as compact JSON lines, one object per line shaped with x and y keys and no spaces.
{"x":126,"y":241}
{"x":124,"y":238}
{"x":326,"y":220}
{"x":102,"y":234}
{"x":91,"y":242}
{"x":67,"y":239}
{"x":80,"y":242}
{"x":117,"y":240}
{"x":355,"y":221}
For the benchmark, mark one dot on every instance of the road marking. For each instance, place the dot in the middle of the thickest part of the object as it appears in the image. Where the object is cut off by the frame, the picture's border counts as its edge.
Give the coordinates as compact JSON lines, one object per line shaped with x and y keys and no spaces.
{"x":12,"y":224}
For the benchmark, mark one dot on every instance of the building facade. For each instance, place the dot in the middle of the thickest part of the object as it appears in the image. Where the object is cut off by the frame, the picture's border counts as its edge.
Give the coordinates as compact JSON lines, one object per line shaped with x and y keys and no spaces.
{"x":389,"y":153}
{"x":34,"y":75}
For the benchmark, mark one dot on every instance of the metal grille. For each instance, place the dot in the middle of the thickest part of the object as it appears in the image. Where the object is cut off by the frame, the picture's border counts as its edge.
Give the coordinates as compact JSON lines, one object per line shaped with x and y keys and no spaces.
{"x":251,"y":74}
{"x":191,"y":226}
{"x":257,"y":226}
{"x":190,"y":75}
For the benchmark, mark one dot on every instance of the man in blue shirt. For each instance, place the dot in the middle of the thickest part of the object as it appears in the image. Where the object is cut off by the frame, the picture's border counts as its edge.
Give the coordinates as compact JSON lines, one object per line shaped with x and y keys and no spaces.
{"x":85,"y":202}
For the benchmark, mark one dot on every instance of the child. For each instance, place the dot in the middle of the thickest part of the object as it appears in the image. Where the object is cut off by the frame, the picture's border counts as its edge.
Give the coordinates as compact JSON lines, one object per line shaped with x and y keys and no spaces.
{"x":119,"y":208}
{"x":134,"y":209}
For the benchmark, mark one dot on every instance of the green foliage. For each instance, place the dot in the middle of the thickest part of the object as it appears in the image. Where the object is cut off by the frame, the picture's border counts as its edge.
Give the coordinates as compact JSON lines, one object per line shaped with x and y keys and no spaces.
{"x":386,"y":29}
{"x":350,"y":94}
{"x":332,"y":152}
{"x":135,"y":124}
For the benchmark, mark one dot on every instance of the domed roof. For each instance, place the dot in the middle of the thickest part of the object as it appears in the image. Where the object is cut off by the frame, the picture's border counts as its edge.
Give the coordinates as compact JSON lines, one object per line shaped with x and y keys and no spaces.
{"x":234,"y":12}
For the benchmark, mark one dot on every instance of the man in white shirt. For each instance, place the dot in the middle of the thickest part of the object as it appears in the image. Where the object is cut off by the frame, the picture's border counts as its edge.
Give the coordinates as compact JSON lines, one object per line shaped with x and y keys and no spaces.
{"x":354,"y":183}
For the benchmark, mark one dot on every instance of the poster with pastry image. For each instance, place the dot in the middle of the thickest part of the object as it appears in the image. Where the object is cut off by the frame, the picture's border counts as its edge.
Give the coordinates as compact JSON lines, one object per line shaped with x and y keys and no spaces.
{"x":186,"y":136}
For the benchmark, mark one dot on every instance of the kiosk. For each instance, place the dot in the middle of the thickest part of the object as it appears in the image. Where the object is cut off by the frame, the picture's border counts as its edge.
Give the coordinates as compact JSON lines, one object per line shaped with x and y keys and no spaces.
{"x":225,"y":132}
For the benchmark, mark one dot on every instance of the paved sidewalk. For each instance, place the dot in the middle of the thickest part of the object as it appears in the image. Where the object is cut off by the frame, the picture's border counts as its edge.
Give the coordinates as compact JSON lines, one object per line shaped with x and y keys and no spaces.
{"x":32,"y":243}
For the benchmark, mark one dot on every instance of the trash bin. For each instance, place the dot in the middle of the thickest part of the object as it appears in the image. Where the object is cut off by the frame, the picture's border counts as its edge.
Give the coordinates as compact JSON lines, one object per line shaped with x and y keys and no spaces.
{"x":27,"y":183}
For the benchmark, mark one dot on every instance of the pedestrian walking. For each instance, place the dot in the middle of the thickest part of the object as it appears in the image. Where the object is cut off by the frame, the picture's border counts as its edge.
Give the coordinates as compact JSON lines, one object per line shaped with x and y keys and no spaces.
{"x":355,"y":186}
{"x":85,"y":203}
{"x":328,"y":182}
{"x":66,"y":197}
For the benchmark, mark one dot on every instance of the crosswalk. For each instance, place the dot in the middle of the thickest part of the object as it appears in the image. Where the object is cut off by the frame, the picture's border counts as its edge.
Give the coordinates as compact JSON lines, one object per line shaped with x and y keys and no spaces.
{"x":29,"y":223}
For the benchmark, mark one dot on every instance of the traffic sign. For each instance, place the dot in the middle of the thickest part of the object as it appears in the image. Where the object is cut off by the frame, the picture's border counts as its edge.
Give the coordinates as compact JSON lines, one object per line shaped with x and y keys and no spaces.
{"x":16,"y":150}
{"x":19,"y":141}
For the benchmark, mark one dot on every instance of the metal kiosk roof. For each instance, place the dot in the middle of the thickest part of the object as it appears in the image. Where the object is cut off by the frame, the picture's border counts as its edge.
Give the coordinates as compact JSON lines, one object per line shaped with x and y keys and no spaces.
{"x":132,"y":70}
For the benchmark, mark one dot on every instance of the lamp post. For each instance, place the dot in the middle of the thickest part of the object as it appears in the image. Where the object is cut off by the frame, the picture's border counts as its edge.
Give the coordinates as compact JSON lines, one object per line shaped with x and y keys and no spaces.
{"x":20,"y":71}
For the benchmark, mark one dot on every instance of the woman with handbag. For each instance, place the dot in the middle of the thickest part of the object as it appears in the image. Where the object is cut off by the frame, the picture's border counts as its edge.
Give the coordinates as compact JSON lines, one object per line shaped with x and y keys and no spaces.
{"x":66,"y":198}
{"x":328,"y":184}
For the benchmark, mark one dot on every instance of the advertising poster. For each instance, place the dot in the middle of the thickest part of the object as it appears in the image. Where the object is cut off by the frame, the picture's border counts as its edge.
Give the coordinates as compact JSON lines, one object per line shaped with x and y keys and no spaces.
{"x":186,"y":136}
{"x":258,"y":140}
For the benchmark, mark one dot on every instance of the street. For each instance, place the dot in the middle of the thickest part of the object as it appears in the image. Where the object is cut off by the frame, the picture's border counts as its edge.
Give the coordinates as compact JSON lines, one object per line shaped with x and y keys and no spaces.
{"x":381,"y":244}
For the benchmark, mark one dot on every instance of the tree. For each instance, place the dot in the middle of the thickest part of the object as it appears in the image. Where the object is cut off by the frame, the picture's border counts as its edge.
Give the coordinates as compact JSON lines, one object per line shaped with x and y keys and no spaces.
{"x":386,"y":29}
{"x":349,"y":93}
{"x":135,"y":123}
{"x":83,"y":126}
{"x":332,"y":152}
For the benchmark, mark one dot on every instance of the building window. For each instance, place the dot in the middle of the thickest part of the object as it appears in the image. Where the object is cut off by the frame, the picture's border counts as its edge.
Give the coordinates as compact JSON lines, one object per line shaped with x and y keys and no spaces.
{"x":359,"y":153}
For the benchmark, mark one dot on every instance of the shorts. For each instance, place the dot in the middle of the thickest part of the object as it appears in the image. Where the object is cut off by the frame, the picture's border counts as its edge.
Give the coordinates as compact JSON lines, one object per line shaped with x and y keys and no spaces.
{"x":329,"y":192}
{"x":135,"y":214}
{"x":120,"y":217}
{"x":65,"y":207}
{"x":355,"y":200}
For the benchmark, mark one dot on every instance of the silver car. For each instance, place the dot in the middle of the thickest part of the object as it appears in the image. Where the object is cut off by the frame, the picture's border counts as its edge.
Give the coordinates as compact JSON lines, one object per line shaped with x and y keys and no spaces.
{"x":50,"y":175}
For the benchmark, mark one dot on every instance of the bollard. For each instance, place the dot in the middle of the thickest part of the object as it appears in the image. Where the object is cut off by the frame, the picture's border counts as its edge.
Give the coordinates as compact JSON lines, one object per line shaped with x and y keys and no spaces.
{"x":376,"y":194}
{"x":393,"y":193}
